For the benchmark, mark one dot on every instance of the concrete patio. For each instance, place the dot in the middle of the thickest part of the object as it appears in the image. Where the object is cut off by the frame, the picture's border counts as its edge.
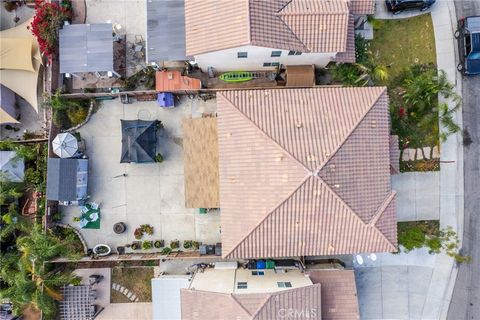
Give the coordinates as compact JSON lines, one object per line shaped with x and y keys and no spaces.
{"x":148,"y":193}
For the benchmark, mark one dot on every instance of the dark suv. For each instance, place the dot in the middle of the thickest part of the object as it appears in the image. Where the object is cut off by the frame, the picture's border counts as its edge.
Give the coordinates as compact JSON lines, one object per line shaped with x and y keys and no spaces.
{"x":468,"y":35}
{"x":397,"y":6}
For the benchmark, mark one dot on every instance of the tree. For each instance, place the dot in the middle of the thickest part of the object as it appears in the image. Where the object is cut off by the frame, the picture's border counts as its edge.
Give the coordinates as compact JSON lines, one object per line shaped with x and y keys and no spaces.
{"x":30,"y":282}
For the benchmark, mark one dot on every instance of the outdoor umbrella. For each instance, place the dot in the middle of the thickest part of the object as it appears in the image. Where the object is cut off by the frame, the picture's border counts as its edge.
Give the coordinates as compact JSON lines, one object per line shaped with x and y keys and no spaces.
{"x":65,"y":145}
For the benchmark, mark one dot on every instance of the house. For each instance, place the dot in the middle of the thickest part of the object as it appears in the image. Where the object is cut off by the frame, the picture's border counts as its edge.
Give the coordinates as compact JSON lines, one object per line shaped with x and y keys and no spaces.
{"x":12,"y":168}
{"x":67,"y":180}
{"x":262,"y":35}
{"x":230,"y":292}
{"x":303,"y":172}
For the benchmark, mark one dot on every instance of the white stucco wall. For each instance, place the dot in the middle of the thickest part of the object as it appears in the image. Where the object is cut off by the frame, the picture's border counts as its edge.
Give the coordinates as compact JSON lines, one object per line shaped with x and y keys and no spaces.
{"x":226,"y":60}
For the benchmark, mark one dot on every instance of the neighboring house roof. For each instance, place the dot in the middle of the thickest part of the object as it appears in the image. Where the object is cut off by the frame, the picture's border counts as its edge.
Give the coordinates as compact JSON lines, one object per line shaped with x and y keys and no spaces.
{"x":339,"y":293}
{"x":139,"y":141}
{"x":86,"y":48}
{"x":299,"y":25}
{"x":200,"y":153}
{"x":312,"y":167}
{"x":67,"y":179}
{"x":394,"y":155}
{"x":348,"y":56}
{"x":362,"y":6}
{"x":172,"y":81}
{"x":165,"y":30}
{"x":198,"y":304}
{"x":12,"y":168}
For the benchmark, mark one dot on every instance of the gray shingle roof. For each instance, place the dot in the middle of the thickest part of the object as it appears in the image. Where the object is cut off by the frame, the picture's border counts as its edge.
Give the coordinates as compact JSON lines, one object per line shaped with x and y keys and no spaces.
{"x":139,"y":141}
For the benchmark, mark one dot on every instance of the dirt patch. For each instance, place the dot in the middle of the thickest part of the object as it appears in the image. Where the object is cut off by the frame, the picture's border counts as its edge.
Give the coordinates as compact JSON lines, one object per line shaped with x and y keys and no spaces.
{"x":136,"y":280}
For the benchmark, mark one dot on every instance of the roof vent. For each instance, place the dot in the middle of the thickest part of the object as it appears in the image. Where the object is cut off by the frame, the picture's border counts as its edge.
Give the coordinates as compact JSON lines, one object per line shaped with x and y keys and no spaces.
{"x":331,"y":247}
{"x":299,"y":125}
{"x":374,"y":124}
{"x":311,"y":158}
{"x":337,"y":186}
{"x":332,"y":168}
{"x":233,"y":179}
{"x":229,"y":134}
{"x":280,"y":158}
{"x":327,"y":155}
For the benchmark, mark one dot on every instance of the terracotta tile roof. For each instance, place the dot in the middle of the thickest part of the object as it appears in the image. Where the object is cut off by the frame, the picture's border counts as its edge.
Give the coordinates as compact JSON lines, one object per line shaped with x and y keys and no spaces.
{"x":299,"y":25}
{"x":362,"y":6}
{"x":312,"y":166}
{"x":198,"y":304}
{"x":339,"y":294}
{"x":200,"y":153}
{"x":394,"y":155}
{"x":348,"y":56}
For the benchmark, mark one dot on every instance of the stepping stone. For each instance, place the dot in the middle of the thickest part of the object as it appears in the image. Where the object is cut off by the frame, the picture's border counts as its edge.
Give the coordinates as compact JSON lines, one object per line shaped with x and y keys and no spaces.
{"x":406,"y":155}
{"x":419,"y":154}
{"x":133,"y":297}
{"x":411,"y":153}
{"x":125,"y":291}
{"x":115,"y":286}
{"x":129,"y":294}
{"x":121,"y":289}
{"x":435,"y":153}
{"x":426,"y":151}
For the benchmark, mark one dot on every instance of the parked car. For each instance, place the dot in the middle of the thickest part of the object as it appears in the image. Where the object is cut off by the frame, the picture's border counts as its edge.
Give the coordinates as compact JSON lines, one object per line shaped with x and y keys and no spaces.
{"x":397,"y":6}
{"x":468,"y":36}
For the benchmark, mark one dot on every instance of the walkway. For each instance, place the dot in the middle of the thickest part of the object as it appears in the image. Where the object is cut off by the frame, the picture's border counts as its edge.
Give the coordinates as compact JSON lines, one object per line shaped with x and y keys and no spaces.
{"x":417,"y":195}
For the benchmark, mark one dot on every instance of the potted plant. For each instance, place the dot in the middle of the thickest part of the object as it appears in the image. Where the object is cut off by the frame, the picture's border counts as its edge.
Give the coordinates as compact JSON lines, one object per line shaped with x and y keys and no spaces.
{"x":158,"y":158}
{"x":102,"y":250}
{"x":136,"y":245}
{"x":147,"y":245}
{"x":147,"y":229}
{"x":159,"y":244}
{"x":119,"y":227}
{"x":138,"y":233}
{"x":174,"y":244}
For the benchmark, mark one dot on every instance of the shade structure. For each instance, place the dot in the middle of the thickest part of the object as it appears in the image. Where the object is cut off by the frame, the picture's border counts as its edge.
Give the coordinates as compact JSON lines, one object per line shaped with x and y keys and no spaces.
{"x":139,"y":141}
{"x":17,"y":78}
{"x":65,"y":145}
{"x":86,"y":48}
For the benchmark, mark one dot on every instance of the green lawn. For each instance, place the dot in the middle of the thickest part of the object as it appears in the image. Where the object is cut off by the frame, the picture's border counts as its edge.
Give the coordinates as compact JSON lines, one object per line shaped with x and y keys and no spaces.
{"x":402,"y":43}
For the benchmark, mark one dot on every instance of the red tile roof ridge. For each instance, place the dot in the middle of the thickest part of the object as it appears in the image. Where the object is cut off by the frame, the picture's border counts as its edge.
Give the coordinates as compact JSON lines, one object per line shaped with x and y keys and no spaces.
{"x":354,"y":127}
{"x":355,"y":215}
{"x":271,"y":139}
{"x":267,"y":297}
{"x":382,"y":208}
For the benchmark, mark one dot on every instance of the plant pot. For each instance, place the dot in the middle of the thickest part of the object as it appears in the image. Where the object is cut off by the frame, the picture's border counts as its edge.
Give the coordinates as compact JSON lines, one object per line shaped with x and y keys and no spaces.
{"x":175,"y":244}
{"x":136,"y":245}
{"x":121,"y":250}
{"x":102,"y":250}
{"x":159,"y":244}
{"x":119,"y":227}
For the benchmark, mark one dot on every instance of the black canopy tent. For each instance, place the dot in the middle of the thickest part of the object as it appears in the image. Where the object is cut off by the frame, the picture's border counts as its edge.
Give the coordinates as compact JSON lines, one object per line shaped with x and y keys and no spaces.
{"x":139,"y":141}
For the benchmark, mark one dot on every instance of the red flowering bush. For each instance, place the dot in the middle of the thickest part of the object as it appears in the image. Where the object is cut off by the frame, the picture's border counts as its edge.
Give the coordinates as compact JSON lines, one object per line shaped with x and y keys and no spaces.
{"x":48,"y":18}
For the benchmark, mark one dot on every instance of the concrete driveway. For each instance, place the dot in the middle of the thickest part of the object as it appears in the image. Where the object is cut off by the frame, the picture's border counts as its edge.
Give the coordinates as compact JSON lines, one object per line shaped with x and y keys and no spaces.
{"x":150,"y":193}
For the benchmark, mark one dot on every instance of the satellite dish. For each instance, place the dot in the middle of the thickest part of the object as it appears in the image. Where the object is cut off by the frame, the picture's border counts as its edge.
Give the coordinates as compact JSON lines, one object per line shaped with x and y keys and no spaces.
{"x":359,"y":259}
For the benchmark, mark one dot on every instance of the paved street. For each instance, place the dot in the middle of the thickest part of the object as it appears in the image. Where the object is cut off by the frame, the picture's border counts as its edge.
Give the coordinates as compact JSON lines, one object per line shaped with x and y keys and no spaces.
{"x":465,"y":302}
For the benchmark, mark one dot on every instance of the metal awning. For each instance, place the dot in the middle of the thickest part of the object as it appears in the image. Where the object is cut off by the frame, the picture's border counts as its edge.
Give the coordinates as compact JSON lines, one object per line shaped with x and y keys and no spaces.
{"x":86,"y":48}
{"x":165,"y":30}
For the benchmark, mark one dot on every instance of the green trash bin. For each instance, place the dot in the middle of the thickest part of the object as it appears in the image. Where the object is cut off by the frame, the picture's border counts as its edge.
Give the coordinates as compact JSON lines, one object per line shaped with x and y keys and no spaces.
{"x":270,"y":264}
{"x":202,"y":210}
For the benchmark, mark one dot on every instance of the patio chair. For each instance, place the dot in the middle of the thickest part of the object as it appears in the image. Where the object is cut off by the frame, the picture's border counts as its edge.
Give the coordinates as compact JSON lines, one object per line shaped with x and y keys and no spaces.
{"x":94,"y":205}
{"x":83,"y":209}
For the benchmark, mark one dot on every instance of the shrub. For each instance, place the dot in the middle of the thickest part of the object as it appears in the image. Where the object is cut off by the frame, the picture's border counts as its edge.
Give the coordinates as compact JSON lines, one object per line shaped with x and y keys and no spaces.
{"x":159,"y":158}
{"x":48,"y":18}
{"x":136,"y":245}
{"x":159,"y":243}
{"x":166,"y":251}
{"x":67,"y":113}
{"x":190,"y":244}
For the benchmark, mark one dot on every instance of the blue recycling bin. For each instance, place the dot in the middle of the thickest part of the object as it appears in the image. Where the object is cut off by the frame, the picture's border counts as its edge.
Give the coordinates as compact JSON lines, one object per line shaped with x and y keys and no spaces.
{"x":165,"y":100}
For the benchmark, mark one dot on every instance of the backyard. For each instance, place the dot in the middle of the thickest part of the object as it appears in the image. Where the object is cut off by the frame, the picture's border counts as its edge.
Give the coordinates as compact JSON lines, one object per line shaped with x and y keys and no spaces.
{"x":136,"y":280}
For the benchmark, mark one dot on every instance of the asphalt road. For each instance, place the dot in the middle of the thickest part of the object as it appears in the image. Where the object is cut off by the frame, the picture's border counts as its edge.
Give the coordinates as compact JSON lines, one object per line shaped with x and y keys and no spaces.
{"x":466,"y":295}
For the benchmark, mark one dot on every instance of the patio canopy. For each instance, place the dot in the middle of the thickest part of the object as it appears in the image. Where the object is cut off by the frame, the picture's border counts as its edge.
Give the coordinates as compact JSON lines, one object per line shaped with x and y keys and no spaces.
{"x":8,"y":113}
{"x":139,"y":141}
{"x":17,"y":75}
{"x":86,"y":48}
